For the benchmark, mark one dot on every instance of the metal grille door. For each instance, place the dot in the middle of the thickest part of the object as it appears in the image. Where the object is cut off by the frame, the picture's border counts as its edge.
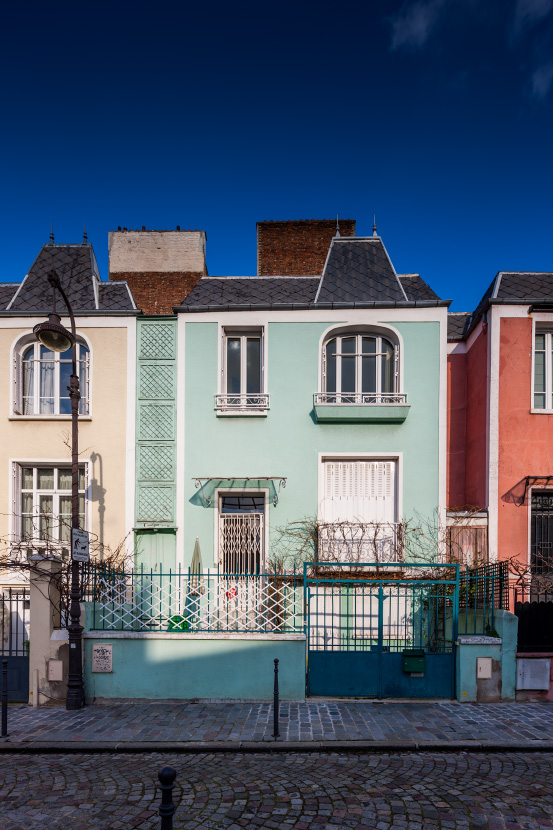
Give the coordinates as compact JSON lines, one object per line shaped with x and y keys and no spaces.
{"x":241,"y":542}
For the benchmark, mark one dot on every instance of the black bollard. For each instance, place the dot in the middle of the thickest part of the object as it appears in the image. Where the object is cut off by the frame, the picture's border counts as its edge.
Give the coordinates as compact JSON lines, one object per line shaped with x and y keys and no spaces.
{"x":167,"y":808}
{"x":4,"y":698}
{"x":276,"y":706}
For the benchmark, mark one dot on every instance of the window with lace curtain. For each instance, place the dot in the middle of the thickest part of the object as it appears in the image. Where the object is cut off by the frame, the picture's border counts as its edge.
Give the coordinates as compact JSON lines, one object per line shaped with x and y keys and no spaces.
{"x":41,"y":380}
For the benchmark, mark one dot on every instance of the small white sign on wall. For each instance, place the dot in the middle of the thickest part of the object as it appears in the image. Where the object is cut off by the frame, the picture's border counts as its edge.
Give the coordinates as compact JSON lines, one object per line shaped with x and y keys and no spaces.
{"x":102,"y":657}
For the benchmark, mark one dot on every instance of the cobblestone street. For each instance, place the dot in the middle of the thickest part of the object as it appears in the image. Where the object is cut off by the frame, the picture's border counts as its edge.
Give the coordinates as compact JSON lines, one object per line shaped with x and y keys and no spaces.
{"x":300,"y":721}
{"x":306,"y":792}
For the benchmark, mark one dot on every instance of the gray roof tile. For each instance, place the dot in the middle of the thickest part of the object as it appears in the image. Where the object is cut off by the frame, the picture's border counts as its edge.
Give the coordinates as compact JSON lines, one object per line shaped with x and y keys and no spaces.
{"x":114,"y":296}
{"x":416,"y":288}
{"x":222,"y":291}
{"x":457,"y":324}
{"x":523,"y":285}
{"x":7,"y":290}
{"x":358,"y":270}
{"x":75,"y":267}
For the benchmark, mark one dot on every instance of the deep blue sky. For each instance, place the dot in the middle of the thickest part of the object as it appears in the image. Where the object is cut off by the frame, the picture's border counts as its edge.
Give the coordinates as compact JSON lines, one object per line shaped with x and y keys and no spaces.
{"x":435,"y":114}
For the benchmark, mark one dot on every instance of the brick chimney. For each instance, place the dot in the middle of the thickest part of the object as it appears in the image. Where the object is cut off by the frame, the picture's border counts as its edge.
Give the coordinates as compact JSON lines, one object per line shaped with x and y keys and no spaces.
{"x":161,"y":267}
{"x":297,"y":247}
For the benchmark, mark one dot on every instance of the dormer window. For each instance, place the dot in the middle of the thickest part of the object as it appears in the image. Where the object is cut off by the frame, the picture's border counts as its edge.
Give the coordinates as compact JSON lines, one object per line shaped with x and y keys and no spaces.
{"x":360,"y":368}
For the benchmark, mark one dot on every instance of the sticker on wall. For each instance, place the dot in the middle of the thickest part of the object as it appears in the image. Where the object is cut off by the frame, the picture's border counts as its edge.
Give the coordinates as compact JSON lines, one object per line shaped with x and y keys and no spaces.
{"x":102,"y":657}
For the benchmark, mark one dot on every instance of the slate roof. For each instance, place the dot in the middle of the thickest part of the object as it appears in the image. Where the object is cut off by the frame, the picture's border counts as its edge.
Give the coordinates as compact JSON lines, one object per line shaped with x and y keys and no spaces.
{"x":222,"y":291}
{"x":457,"y":324}
{"x":115,"y":296}
{"x":359,"y":270}
{"x":509,"y":287}
{"x":416,"y":288}
{"x":521,"y":285}
{"x":78,"y":273}
{"x":7,"y":290}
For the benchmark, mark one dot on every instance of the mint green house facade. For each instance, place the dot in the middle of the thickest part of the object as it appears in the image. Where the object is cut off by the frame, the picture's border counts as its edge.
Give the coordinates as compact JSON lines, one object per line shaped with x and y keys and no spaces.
{"x":272,"y":401}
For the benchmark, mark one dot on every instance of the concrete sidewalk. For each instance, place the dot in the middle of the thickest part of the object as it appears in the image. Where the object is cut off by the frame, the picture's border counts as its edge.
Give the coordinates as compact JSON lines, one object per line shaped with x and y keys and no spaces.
{"x":304,"y":726}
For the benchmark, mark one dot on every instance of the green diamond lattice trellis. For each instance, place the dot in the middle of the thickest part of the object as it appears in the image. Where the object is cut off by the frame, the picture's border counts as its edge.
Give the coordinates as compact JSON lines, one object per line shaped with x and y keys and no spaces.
{"x":155,"y":504}
{"x":157,"y":381}
{"x":156,"y":422}
{"x":157,"y":341}
{"x":156,"y":462}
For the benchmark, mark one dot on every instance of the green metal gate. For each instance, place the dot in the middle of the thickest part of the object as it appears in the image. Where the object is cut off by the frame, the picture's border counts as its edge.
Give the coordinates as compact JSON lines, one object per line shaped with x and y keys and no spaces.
{"x":378,"y":631}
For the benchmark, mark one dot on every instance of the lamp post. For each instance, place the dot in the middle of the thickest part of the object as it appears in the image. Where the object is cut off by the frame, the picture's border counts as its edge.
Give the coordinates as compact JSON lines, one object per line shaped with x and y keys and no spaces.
{"x":58,"y":339}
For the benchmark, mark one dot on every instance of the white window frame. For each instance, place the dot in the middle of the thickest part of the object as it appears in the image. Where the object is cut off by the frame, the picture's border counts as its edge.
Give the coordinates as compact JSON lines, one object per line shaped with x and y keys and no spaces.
{"x":16,"y":499}
{"x":18,"y":350}
{"x":545,"y":329}
{"x":396,"y":396}
{"x":242,"y":403}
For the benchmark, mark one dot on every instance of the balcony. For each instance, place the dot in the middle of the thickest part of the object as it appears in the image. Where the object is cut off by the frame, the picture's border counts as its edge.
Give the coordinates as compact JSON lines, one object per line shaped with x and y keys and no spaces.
{"x":361,"y":407}
{"x":248,"y":404}
{"x":367,"y":542}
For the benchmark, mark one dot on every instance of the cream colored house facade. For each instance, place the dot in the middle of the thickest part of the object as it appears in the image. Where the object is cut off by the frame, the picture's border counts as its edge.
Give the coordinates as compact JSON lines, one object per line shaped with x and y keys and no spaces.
{"x":35,"y":420}
{"x":35,"y":452}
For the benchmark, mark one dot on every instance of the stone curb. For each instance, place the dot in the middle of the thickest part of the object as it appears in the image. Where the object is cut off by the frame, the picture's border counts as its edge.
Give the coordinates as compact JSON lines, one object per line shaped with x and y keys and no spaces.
{"x":270,"y":746}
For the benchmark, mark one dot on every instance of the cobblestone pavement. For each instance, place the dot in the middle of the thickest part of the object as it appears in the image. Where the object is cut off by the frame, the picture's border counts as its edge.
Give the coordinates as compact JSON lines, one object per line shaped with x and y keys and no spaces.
{"x":297,"y":792}
{"x":307,"y":721}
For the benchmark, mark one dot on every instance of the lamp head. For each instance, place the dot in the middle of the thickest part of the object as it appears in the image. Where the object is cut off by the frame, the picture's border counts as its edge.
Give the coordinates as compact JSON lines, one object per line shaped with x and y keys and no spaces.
{"x":53,"y":335}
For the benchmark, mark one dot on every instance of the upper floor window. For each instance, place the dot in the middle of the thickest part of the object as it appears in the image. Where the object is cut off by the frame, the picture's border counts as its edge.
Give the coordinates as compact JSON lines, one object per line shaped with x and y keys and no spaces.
{"x":41,"y":380}
{"x":242,"y":386}
{"x":543,"y":369}
{"x":360,"y":368}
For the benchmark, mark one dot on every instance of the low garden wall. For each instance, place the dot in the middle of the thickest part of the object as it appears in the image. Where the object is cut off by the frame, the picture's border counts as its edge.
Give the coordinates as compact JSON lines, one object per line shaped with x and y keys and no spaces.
{"x":183,"y":666}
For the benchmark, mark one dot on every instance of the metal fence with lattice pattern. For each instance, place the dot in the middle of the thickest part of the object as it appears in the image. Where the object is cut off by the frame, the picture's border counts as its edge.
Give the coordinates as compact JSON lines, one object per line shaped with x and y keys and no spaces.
{"x":188,"y":602}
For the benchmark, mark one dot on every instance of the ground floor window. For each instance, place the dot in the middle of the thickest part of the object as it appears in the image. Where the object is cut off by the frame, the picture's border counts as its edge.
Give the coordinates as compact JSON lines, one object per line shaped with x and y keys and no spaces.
{"x":541,"y":533}
{"x":241,"y":533}
{"x":358,"y":513}
{"x":44,"y":497}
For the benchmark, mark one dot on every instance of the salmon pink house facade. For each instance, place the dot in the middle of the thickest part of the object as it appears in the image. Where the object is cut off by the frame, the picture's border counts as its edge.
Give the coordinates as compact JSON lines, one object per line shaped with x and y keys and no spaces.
{"x":500,"y":419}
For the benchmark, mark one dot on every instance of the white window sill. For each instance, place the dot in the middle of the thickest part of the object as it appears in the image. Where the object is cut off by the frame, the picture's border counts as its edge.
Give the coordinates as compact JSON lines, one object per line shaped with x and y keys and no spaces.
{"x":541,"y":411}
{"x":47,"y":418}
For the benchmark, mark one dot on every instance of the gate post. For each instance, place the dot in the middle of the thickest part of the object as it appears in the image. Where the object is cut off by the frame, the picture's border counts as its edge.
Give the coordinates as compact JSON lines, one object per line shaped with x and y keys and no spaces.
{"x":47,"y":641}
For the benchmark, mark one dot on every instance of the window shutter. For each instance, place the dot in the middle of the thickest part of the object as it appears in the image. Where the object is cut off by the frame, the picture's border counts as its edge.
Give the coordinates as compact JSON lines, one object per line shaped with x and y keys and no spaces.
{"x":359,"y":491}
{"x":16,"y":502}
{"x":17,"y":384}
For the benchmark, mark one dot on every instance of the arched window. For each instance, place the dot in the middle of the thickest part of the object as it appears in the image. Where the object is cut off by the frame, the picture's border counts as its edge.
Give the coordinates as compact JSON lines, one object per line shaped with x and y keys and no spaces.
{"x":41,"y":379}
{"x":360,"y":367}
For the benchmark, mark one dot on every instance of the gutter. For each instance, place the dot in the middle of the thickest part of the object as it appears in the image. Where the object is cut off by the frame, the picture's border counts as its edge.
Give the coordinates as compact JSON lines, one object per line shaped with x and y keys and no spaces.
{"x":311,"y":306}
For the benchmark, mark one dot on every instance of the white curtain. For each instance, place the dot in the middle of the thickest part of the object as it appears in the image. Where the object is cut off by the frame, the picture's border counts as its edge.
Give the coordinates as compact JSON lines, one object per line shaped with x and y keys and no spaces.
{"x":47,"y":384}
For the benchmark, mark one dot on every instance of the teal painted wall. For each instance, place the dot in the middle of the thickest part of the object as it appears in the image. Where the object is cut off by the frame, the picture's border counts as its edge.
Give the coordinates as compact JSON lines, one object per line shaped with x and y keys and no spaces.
{"x":288,"y":440}
{"x":506,"y":625}
{"x":466,"y":688}
{"x":181,"y":669}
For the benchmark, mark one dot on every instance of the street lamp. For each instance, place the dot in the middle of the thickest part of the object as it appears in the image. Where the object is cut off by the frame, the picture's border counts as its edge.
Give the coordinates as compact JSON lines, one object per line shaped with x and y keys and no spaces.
{"x":57,"y":338}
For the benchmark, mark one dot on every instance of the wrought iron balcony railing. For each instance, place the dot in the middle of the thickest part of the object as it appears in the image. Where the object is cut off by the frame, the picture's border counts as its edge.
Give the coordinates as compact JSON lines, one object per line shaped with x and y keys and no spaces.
{"x":360,"y":398}
{"x":254,"y":402}
{"x":378,"y":542}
